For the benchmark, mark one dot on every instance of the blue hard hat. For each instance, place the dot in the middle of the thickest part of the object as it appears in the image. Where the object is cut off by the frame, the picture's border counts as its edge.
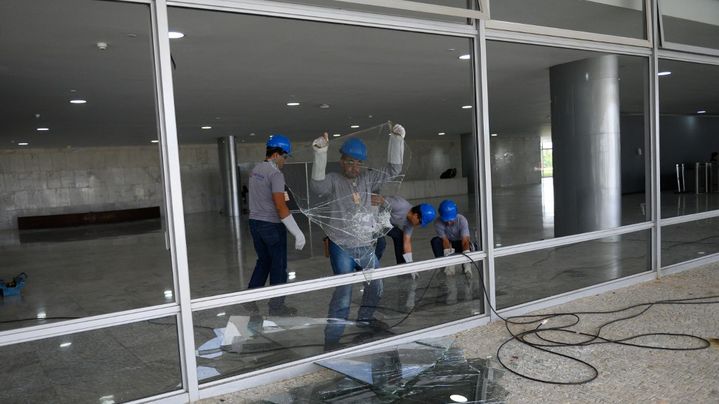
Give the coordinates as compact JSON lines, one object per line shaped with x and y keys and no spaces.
{"x":447,"y":210}
{"x":354,"y":148}
{"x":281,"y":142}
{"x":428,"y":213}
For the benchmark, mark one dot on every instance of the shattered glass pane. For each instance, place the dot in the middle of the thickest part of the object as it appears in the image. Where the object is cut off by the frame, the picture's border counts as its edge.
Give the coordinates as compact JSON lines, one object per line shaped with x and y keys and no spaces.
{"x":418,"y":372}
{"x":342,"y":186}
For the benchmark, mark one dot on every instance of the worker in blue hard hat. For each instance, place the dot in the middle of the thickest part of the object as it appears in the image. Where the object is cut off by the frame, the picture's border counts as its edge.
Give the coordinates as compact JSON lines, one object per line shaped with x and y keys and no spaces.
{"x":404,"y":218}
{"x":452,"y":231}
{"x":270,"y":220}
{"x":351,"y":229}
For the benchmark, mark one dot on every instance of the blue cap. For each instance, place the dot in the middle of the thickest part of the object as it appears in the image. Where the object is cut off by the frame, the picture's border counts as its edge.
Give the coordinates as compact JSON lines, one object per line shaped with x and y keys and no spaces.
{"x":447,"y":210}
{"x":354,"y":148}
{"x":428,"y":213}
{"x":281,"y":142}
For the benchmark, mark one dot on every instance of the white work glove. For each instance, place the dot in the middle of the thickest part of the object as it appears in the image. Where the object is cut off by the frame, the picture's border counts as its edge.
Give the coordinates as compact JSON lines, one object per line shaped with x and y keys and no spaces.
{"x":292,"y":227}
{"x":407,"y":257}
{"x":320,"y":146}
{"x":448,"y":252}
{"x":395,"y":148}
{"x":415,"y":276}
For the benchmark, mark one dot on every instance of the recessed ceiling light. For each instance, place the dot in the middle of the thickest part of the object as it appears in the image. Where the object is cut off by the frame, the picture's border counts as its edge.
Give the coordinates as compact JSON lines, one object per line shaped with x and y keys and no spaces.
{"x":293,"y":104}
{"x":78,"y":101}
{"x":493,"y":134}
{"x":65,"y":344}
{"x":206,"y":127}
{"x":175,"y":35}
{"x":354,"y":126}
{"x":23,"y":143}
{"x":458,"y":398}
{"x":465,"y":57}
{"x":441,"y":134}
{"x":324,"y":106}
{"x":336,"y":135}
{"x":154,"y":141}
{"x":291,"y":275}
{"x":41,"y":314}
{"x":221,"y":314}
{"x":466,"y":106}
{"x":168,"y":294}
{"x":42,"y":129}
{"x":664,"y":73}
{"x":701,"y":112}
{"x":252,"y":134}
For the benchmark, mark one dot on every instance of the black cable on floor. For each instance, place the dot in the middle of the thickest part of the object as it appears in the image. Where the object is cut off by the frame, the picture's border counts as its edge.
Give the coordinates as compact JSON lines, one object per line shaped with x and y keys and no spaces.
{"x":591,"y":338}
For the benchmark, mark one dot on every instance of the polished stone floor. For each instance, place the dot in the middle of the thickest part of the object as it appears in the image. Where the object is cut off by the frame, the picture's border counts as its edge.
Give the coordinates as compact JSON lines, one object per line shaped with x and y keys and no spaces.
{"x":626,"y":374}
{"x":89,"y":271}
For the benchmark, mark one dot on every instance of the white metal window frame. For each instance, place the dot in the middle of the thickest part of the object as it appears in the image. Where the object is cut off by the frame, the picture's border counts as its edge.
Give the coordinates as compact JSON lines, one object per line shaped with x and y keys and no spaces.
{"x":481,"y":32}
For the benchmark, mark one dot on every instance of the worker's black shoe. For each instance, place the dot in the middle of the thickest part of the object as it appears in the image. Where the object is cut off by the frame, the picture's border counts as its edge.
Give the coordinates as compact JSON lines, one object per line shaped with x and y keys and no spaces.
{"x":373,"y":323}
{"x":283,"y":310}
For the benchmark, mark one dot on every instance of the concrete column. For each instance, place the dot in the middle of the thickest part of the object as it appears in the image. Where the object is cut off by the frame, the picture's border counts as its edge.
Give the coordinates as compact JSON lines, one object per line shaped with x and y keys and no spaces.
{"x":586,"y":145}
{"x":230,"y":178}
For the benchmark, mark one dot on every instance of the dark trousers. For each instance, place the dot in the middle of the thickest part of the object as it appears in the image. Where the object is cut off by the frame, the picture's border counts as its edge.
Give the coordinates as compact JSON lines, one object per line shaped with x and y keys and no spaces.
{"x":438,"y":247}
{"x":397,"y":236}
{"x":270,"y":240}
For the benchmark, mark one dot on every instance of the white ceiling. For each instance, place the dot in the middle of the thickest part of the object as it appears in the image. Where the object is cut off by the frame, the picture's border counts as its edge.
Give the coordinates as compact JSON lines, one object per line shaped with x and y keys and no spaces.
{"x":243,"y":69}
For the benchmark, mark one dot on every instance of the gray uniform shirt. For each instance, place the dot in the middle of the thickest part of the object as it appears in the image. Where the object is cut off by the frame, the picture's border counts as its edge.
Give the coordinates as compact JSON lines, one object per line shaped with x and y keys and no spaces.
{"x":348,"y":216}
{"x":458,"y":230}
{"x":265,"y":179}
{"x":399,"y":208}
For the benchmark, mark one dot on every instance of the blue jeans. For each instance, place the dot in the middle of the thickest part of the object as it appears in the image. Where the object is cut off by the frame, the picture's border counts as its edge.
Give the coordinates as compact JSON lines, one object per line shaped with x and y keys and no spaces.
{"x":343,"y":263}
{"x":270,"y":240}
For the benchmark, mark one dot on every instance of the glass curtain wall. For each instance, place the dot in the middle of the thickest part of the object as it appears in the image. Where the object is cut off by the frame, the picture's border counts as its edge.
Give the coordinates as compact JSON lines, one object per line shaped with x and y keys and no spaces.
{"x":589,"y":108}
{"x":240,"y":79}
{"x":81,"y":204}
{"x":620,"y":18}
{"x":82,"y":219}
{"x":689,"y":22}
{"x":82,"y":224}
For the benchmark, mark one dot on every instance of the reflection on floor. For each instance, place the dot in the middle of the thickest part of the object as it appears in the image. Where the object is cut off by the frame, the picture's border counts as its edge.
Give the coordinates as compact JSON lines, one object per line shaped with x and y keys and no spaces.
{"x":423,"y":371}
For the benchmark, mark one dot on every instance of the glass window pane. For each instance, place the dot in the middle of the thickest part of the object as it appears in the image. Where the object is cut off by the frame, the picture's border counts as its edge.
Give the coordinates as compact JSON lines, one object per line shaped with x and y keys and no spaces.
{"x":242,"y":338}
{"x":538,"y":274}
{"x":582,"y":112}
{"x":353,"y":83}
{"x":621,"y":18}
{"x":687,"y":241}
{"x":689,"y":146}
{"x":111,"y":365}
{"x":691,"y":22}
{"x":80,"y":180}
{"x":341,"y":5}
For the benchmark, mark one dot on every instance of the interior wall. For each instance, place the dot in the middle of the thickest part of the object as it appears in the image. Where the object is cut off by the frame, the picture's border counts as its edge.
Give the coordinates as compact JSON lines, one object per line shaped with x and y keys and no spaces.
{"x":429,"y":158}
{"x":516,"y":160}
{"x":55,"y":181}
{"x":685,"y":139}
